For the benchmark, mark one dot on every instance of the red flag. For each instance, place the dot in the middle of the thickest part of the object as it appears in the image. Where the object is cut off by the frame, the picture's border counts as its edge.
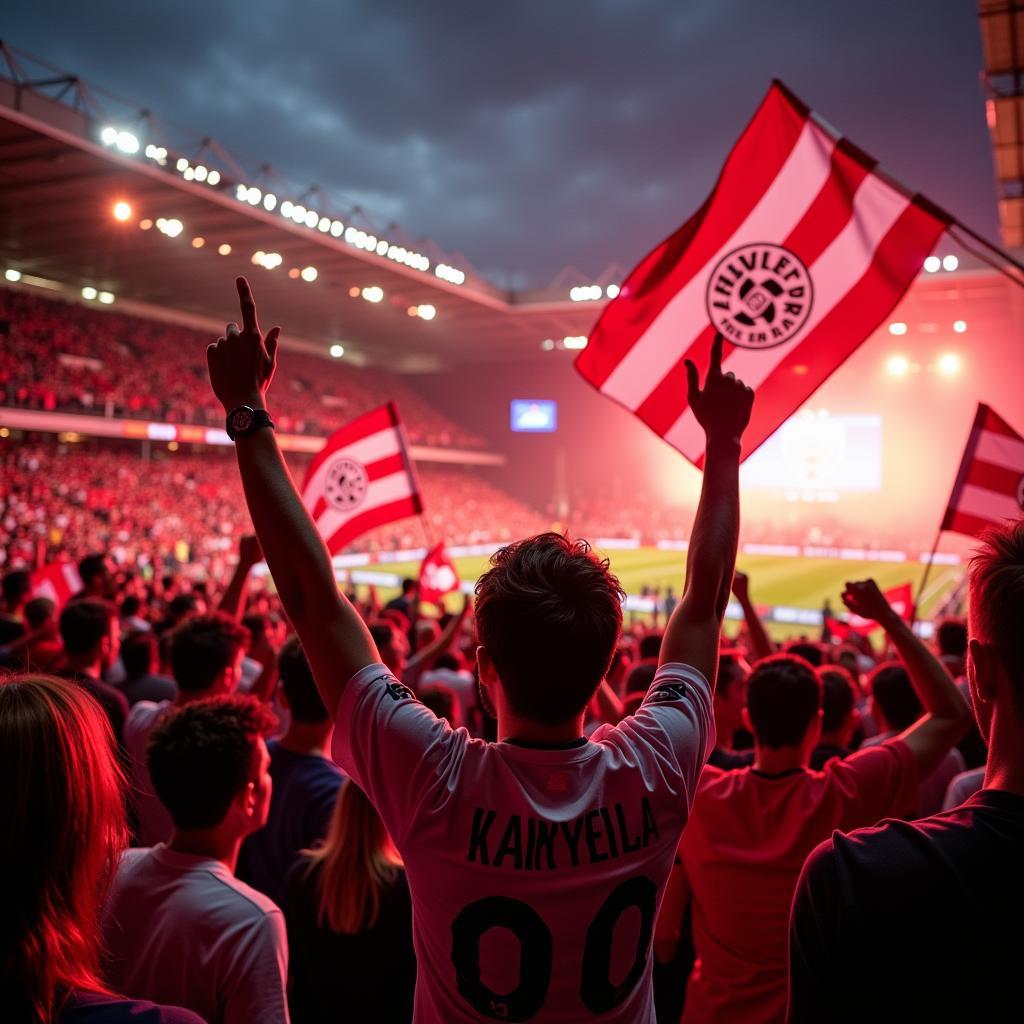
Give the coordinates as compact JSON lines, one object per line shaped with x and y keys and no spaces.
{"x":361,"y":478}
{"x":901,"y":600}
{"x":438,"y":575}
{"x":989,"y":487}
{"x":798,"y":254}
{"x":58,"y":581}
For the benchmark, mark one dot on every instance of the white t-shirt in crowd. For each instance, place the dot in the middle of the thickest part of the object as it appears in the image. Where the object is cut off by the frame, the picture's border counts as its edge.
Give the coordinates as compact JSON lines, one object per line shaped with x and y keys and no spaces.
{"x":182,"y":929}
{"x":535,"y":872}
{"x":154,"y":821}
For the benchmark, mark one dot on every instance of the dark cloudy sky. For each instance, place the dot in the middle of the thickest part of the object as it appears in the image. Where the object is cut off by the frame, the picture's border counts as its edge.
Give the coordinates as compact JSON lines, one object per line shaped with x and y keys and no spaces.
{"x":533,"y":134}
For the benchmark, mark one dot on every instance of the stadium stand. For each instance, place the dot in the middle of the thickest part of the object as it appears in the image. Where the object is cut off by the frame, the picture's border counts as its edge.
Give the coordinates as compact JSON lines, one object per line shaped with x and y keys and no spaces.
{"x":56,"y":356}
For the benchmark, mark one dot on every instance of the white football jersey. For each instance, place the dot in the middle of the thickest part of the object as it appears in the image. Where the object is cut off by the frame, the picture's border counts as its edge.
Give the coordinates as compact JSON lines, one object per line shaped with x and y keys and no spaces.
{"x":536,"y":872}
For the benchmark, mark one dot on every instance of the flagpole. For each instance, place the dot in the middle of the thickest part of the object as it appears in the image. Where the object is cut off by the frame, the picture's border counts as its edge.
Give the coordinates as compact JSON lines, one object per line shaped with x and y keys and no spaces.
{"x":426,"y":533}
{"x":928,"y":204}
{"x":924,"y":578}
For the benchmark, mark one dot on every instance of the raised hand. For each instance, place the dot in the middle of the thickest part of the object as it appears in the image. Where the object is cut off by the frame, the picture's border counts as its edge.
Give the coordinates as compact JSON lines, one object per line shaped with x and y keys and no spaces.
{"x":249,"y":551}
{"x":863,"y":598}
{"x":741,"y":586}
{"x":722,"y":407}
{"x":242,"y":363}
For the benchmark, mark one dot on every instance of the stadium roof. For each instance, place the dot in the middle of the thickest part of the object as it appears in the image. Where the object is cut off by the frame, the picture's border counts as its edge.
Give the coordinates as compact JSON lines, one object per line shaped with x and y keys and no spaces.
{"x":67,"y":158}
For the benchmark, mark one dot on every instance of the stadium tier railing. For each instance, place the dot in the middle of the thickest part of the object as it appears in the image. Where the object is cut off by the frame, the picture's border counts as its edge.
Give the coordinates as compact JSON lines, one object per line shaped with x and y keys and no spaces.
{"x":148,"y":430}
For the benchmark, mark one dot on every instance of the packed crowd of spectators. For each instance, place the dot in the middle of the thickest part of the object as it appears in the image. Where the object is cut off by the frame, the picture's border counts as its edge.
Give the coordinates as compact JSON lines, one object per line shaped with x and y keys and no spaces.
{"x":189,"y":509}
{"x":224,"y":805}
{"x":254,"y":882}
{"x":55,"y":356}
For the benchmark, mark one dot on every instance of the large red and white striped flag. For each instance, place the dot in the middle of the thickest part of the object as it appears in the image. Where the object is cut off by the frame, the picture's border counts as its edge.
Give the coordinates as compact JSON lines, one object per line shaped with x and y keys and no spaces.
{"x":989,"y":487}
{"x":362,"y":478}
{"x":798,"y":254}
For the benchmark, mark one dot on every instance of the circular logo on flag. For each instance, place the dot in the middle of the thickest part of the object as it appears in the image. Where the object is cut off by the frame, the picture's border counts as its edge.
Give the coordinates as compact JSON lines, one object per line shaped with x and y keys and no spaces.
{"x":759,"y":296}
{"x":346,"y":484}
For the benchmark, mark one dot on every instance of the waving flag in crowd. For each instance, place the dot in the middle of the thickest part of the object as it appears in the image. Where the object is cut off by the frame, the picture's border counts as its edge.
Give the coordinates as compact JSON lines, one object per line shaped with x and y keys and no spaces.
{"x":362,"y":478}
{"x":59,"y":581}
{"x":798,"y":254}
{"x":989,"y":487}
{"x":438,"y":575}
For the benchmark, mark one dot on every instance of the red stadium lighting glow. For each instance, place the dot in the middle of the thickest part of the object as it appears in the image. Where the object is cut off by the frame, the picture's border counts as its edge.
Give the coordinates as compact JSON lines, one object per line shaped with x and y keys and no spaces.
{"x":224,"y":249}
{"x":146,"y":224}
{"x":122,"y":211}
{"x":198,"y":242}
{"x":898,"y":366}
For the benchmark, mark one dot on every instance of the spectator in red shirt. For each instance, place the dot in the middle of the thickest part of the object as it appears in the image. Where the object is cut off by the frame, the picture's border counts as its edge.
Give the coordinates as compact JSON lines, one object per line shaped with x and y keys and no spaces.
{"x":752,"y":828}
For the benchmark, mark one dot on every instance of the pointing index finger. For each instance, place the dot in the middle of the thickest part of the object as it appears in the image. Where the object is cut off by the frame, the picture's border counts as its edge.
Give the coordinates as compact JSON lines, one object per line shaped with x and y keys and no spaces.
{"x":715,"y":369}
{"x":248,"y":306}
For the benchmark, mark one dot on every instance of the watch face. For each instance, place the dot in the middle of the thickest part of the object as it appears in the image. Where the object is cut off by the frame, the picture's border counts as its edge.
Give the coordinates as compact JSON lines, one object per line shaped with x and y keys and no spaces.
{"x":241,"y":420}
{"x":346,"y":484}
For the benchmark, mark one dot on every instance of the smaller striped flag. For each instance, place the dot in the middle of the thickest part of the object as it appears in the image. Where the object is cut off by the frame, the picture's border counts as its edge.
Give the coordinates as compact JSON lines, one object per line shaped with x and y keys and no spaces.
{"x":362,"y":478}
{"x":989,"y":487}
{"x":59,"y":581}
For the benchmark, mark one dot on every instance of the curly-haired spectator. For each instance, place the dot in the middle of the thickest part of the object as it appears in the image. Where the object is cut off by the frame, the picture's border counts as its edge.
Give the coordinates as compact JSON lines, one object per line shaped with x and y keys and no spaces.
{"x":178,"y":924}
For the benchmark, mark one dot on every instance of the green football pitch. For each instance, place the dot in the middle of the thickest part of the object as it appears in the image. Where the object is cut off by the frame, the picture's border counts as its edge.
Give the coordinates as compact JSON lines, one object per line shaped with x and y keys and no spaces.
{"x":774,"y":580}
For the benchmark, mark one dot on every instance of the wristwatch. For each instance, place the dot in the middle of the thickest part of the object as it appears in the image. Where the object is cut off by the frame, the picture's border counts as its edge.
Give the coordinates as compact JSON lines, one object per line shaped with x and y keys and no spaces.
{"x":244,"y":419}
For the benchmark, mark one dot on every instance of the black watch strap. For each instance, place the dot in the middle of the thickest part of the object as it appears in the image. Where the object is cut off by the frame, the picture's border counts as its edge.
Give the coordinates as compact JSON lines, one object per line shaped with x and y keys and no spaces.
{"x":243,"y":419}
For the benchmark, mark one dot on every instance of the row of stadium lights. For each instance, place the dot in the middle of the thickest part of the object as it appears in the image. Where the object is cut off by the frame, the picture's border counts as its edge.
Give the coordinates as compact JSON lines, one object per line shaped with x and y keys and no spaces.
{"x":128,"y":143}
{"x":572,"y":343}
{"x":948,"y":364}
{"x":172,"y":227}
{"x":592,"y":292}
{"x":89,"y":293}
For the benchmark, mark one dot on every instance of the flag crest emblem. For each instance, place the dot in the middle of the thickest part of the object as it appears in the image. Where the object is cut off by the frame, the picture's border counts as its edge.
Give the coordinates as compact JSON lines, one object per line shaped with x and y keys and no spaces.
{"x":760,"y":295}
{"x":346,"y":483}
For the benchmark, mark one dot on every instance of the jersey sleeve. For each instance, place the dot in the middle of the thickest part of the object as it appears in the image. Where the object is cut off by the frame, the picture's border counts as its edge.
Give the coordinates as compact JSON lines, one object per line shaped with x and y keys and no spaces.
{"x":673,"y":730}
{"x":394,"y":748}
{"x":874,"y":783}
